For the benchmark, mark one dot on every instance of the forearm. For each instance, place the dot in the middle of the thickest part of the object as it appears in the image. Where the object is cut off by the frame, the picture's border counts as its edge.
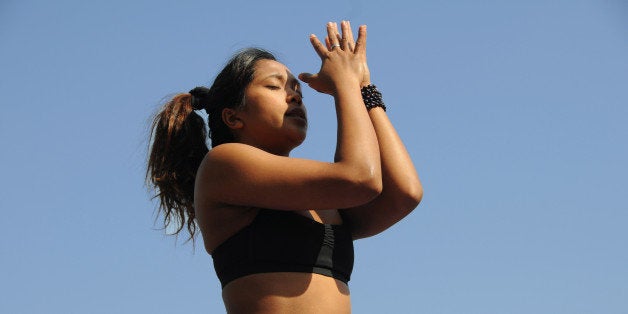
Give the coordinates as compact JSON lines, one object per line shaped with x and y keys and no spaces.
{"x":357,"y":141}
{"x":401,"y":185}
{"x":401,"y":191}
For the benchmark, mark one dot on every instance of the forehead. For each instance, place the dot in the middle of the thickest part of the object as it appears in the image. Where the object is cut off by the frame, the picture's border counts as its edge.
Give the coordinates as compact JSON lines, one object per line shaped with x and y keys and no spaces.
{"x":265,"y":68}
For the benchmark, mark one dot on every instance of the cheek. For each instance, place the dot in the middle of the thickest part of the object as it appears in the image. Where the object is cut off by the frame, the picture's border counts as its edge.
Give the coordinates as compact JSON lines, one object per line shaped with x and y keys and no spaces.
{"x":263,"y":114}
{"x":266,"y":105}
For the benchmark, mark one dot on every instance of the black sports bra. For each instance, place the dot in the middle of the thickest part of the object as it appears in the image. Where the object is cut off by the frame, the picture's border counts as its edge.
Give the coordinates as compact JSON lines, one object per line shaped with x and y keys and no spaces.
{"x":283,"y":241}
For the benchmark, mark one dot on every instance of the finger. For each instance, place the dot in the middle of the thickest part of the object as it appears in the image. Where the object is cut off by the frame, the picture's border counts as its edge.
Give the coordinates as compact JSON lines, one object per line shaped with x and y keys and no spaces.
{"x":328,"y":43}
{"x":332,"y":34}
{"x":360,"y":45}
{"x":304,"y":77}
{"x":318,"y":46}
{"x":307,"y":77}
{"x":340,"y":39}
{"x":343,"y":43}
{"x":348,"y":34}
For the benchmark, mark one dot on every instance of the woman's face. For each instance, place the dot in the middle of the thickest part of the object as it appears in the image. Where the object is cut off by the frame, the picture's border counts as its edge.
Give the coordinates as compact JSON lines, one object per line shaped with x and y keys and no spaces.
{"x":274,"y":117}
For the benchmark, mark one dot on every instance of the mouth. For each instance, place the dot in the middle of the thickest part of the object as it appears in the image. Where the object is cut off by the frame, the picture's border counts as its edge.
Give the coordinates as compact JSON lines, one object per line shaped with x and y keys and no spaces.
{"x":297,"y":113}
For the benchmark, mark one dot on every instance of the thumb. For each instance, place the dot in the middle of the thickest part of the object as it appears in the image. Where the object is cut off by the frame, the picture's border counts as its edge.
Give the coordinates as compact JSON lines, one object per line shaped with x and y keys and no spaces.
{"x":307,"y":77}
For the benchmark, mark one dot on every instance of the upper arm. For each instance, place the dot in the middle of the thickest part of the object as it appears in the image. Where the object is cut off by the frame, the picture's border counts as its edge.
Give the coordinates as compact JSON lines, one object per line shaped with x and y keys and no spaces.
{"x":240,"y":174}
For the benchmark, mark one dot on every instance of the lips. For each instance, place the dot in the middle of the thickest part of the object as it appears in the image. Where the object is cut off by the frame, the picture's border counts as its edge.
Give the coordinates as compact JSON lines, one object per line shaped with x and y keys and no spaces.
{"x":297,"y":113}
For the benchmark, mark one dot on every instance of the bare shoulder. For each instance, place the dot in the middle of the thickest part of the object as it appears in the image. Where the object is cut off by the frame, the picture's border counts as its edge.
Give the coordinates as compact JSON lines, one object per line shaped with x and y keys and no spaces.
{"x":229,"y":151}
{"x":238,"y":154}
{"x":243,"y":175}
{"x":236,"y":161}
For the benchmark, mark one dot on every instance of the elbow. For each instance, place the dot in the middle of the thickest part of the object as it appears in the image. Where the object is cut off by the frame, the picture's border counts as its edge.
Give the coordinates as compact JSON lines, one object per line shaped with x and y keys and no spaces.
{"x":406,"y":197}
{"x":372,"y":181}
{"x":412,"y":196}
{"x":368,"y":184}
{"x":374,"y":186}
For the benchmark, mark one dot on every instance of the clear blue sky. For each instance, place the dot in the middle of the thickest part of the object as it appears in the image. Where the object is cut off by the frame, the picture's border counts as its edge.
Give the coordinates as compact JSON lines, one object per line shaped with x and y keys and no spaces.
{"x":515,"y":114}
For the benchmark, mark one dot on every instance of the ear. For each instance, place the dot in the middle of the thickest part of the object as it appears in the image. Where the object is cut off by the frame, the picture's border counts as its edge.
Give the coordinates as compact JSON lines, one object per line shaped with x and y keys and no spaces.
{"x":231,"y":119}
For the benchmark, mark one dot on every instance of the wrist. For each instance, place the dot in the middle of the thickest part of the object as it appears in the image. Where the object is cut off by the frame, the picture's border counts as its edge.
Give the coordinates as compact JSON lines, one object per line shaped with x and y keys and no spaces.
{"x":372,"y":97}
{"x":346,"y":85}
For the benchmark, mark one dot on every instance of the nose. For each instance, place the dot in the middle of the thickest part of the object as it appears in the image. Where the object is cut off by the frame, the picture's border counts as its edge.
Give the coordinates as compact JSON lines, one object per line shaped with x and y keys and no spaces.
{"x":295,"y":96}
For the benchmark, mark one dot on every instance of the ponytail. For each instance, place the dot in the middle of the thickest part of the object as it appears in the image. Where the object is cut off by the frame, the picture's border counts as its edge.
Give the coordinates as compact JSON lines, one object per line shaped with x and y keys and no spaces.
{"x":178,"y":146}
{"x":179,"y":137}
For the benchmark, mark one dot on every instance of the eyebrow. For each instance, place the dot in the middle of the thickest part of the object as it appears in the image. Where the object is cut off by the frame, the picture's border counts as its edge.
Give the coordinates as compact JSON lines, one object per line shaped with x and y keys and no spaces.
{"x":291,"y":78}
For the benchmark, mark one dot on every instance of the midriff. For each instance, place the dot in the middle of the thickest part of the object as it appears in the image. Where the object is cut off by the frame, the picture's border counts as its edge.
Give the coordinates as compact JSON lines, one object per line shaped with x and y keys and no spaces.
{"x":286,"y":293}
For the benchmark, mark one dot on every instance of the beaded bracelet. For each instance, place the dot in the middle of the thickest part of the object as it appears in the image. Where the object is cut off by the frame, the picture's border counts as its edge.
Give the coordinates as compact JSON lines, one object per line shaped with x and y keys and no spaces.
{"x":372,"y":97}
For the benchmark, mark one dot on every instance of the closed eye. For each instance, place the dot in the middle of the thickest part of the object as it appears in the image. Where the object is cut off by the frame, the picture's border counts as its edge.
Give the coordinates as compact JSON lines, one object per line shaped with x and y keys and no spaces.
{"x":273,"y":87}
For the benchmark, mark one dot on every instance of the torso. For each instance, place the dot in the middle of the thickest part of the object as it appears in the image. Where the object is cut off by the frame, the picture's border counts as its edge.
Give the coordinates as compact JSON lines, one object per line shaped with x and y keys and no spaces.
{"x":218,"y":223}
{"x":286,"y":293}
{"x":272,"y":292}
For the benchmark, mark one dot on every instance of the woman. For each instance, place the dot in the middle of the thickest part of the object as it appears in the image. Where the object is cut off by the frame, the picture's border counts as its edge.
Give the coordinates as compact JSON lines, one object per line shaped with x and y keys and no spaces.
{"x":280,"y":229}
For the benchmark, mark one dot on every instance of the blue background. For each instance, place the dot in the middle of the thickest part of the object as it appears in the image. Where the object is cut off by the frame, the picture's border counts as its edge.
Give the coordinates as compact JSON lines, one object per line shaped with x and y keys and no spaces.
{"x":514,"y":112}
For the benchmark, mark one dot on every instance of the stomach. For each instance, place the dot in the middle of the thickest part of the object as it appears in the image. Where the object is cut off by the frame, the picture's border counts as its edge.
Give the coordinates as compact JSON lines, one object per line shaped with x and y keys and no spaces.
{"x":286,"y":293}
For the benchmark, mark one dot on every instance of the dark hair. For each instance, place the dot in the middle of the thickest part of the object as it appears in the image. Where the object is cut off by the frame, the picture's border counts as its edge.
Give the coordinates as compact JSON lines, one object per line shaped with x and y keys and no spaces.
{"x":178,"y":137}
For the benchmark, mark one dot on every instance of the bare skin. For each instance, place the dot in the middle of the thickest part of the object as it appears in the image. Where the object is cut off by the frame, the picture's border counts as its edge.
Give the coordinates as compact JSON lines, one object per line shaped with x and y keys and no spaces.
{"x":367,"y":180}
{"x":402,"y":191}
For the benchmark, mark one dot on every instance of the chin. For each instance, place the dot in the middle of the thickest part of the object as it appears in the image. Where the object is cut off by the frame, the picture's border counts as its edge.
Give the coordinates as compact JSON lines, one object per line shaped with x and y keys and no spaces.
{"x":298,"y":138}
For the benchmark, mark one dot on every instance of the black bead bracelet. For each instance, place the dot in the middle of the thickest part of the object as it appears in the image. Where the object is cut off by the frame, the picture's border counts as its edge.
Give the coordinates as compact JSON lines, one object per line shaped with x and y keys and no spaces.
{"x":372,"y":97}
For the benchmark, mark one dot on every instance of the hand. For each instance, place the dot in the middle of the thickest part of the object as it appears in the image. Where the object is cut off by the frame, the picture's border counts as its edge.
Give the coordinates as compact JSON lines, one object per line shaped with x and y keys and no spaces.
{"x":346,"y":29}
{"x":343,"y":60}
